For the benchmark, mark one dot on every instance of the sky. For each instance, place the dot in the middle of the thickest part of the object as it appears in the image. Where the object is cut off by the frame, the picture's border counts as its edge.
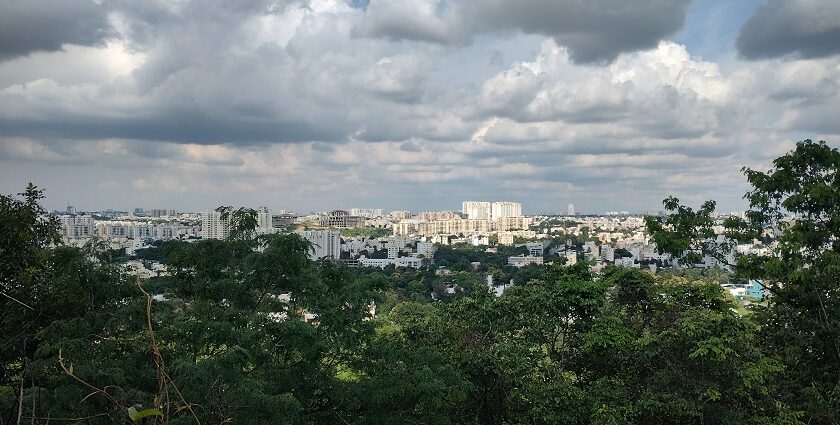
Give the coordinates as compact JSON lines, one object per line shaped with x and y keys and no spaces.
{"x":312,"y":105}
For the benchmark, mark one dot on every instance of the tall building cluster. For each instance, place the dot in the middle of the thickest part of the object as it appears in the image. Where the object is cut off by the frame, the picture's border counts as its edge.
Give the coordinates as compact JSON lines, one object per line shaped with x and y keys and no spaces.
{"x":491,"y":211}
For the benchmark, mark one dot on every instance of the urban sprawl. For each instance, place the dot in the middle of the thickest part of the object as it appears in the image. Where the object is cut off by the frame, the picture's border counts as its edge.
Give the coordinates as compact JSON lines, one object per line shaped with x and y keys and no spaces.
{"x":373,"y":238}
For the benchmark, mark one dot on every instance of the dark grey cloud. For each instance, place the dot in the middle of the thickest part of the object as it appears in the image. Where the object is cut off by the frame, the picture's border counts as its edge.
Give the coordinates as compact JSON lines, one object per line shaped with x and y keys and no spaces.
{"x":798,"y":28}
{"x":184,"y":127}
{"x":28,"y":26}
{"x":594,"y":30}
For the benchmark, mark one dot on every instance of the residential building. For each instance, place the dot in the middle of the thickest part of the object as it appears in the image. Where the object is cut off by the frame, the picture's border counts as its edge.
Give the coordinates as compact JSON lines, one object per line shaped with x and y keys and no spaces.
{"x":412,"y":262}
{"x":283,"y":220}
{"x":426,"y":249}
{"x":213,"y":227}
{"x":524,"y":260}
{"x":502,"y":209}
{"x":325,"y":243}
{"x":400,"y":215}
{"x":77,"y":226}
{"x":367,"y":212}
{"x":476,"y":210}
{"x":264,"y":219}
{"x":535,"y":249}
{"x":506,"y":238}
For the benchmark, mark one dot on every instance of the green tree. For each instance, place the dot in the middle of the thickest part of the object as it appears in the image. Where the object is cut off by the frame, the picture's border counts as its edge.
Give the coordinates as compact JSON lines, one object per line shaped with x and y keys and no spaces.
{"x":794,"y":204}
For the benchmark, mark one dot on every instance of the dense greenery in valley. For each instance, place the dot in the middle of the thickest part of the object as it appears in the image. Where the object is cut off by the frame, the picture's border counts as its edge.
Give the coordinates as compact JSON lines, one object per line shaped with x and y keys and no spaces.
{"x":252,"y":331}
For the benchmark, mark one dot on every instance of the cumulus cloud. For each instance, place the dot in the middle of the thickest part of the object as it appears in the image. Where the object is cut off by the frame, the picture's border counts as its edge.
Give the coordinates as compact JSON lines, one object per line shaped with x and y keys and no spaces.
{"x":658,"y":93}
{"x":798,"y":28}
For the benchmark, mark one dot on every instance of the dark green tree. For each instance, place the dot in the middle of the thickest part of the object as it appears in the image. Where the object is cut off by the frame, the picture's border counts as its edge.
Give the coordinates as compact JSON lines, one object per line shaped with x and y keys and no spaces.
{"x":796,"y":207}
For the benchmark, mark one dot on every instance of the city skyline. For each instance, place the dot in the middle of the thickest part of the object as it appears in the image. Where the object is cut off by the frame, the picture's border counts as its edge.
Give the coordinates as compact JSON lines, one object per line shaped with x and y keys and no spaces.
{"x":320,"y":104}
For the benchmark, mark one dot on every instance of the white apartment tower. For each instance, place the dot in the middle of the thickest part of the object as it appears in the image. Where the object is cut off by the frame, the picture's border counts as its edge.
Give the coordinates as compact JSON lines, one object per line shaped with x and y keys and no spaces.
{"x":325,"y":243}
{"x":504,"y":209}
{"x":77,"y":226}
{"x":213,"y":227}
{"x":476,"y":210}
{"x":264,"y":220}
{"x":571,"y":210}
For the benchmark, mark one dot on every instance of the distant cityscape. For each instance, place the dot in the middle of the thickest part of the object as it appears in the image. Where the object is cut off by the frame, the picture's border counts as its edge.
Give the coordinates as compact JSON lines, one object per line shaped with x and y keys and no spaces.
{"x":372,"y":237}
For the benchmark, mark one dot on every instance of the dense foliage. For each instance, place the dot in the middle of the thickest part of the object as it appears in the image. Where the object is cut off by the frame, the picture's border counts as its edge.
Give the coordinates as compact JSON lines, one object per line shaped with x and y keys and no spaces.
{"x":796,"y":204}
{"x":251,"y":331}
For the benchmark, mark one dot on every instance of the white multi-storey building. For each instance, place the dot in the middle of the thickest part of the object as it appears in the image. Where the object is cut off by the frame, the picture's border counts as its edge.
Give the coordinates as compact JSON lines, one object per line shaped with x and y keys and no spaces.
{"x":524,"y":260}
{"x":476,"y":210}
{"x":325,"y":243}
{"x":394,"y":245}
{"x":77,"y":226}
{"x":502,"y":209}
{"x":412,"y":262}
{"x":213,"y":227}
{"x":425,"y":249}
{"x":264,"y":219}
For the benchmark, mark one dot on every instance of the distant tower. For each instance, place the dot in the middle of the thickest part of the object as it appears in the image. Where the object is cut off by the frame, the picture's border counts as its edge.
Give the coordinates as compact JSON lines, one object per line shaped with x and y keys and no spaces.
{"x":71,"y":210}
{"x":571,"y":210}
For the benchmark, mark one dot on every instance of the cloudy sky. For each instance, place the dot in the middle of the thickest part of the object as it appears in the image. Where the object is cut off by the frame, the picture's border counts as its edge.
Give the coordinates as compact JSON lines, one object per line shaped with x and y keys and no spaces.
{"x":318,"y":104}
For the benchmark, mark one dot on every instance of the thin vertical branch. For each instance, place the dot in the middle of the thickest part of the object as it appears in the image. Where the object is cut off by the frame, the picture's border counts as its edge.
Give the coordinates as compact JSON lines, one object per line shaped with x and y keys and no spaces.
{"x":163,"y":377}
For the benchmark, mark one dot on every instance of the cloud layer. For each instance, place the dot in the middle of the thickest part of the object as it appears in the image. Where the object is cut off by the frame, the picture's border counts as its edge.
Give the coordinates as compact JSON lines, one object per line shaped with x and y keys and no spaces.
{"x":322,"y":104}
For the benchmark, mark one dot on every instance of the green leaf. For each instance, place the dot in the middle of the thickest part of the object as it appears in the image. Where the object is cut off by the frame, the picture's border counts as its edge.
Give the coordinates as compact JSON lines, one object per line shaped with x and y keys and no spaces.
{"x":138,"y":416}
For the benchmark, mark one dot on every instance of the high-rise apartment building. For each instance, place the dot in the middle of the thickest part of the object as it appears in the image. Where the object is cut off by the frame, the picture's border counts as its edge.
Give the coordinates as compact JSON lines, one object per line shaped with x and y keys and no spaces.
{"x":264,"y":219}
{"x":502,"y":209}
{"x":213,"y":227}
{"x":476,"y":210}
{"x":77,"y":226}
{"x":570,"y":210}
{"x":325,"y":243}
